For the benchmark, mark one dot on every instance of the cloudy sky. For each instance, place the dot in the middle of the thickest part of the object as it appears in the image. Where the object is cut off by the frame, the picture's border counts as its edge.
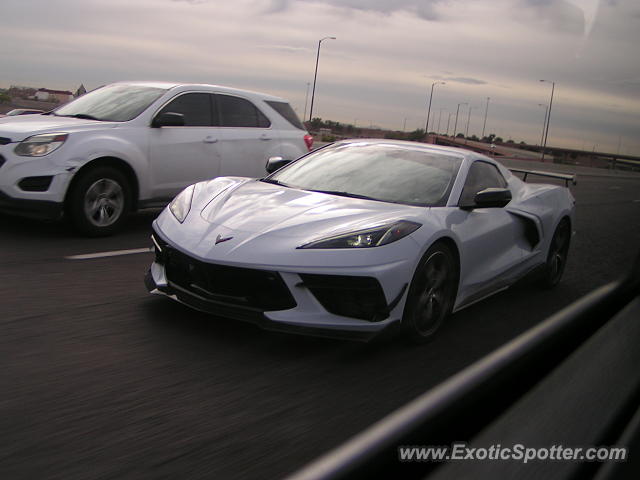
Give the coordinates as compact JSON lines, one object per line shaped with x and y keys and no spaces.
{"x":378,"y":71}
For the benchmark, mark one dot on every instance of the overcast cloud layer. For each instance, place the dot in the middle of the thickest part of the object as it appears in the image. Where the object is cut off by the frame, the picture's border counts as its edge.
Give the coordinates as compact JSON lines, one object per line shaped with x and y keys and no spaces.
{"x":379,"y":70}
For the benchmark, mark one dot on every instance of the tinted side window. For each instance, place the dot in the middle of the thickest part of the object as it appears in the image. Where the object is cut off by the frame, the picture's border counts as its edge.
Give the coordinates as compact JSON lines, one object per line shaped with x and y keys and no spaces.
{"x":481,"y":175}
{"x":196,"y":108}
{"x":238,"y":112}
{"x":284,"y":109}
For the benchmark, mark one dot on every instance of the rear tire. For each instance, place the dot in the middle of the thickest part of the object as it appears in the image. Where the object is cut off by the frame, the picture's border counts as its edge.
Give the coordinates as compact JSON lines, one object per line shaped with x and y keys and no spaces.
{"x":557,"y":256}
{"x":99,"y":201}
{"x":431,"y":294}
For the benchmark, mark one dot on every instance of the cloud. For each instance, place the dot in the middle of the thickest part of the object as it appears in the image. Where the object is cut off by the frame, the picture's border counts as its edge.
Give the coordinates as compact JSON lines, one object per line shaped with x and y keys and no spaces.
{"x":425,"y":9}
{"x":574,"y":16}
{"x":286,"y":48}
{"x":467,"y":80}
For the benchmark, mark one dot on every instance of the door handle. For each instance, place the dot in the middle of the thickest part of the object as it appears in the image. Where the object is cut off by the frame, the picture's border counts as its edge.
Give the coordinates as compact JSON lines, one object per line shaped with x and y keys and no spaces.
{"x":210,"y":140}
{"x":265,"y":137}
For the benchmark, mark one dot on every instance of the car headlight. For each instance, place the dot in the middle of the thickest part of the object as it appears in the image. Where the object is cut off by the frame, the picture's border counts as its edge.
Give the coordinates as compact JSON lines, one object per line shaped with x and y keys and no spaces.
{"x":181,"y":205}
{"x":372,"y":237}
{"x":40,"y":145}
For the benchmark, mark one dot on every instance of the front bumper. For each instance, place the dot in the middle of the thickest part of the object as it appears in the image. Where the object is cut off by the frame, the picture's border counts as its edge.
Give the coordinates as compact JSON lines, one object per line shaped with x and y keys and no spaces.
{"x":274,"y":300}
{"x":33,"y":187}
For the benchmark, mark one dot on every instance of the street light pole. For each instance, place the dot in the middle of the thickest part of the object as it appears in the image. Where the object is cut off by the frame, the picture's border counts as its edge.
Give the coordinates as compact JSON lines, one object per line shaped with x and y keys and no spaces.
{"x":544,"y":122}
{"x":466,"y":132}
{"x":306,"y":100}
{"x":448,"y":122}
{"x":315,"y":75}
{"x":426,"y":128}
{"x":486,"y":111}
{"x":439,"y":118}
{"x":455,"y":126}
{"x":546,"y":133}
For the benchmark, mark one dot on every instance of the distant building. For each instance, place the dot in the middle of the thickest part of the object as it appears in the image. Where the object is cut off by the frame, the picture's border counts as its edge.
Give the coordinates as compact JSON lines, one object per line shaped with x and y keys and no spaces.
{"x":80,"y":91}
{"x":47,"y":95}
{"x":19,"y":91}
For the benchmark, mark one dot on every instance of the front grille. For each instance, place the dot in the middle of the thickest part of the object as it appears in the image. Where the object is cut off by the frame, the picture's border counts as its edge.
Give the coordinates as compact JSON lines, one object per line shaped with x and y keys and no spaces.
{"x":35,"y":184}
{"x":348,"y":296}
{"x":240,"y":287}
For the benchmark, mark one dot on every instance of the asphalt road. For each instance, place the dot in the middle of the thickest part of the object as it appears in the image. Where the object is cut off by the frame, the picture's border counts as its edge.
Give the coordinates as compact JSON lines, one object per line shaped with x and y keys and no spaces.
{"x":101,"y":380}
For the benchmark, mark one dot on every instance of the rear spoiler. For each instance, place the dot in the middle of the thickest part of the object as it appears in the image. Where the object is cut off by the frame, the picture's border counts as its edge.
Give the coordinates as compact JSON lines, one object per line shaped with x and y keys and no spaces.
{"x":567,"y":178}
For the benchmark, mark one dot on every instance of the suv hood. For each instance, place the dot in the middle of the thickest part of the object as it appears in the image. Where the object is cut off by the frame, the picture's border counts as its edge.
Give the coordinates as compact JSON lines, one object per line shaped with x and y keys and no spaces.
{"x":19,"y":127}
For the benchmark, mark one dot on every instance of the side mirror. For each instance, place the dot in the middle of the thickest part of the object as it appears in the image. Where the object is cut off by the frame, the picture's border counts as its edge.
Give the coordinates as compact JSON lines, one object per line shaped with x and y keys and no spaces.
{"x":275,"y":163}
{"x":168,"y":119}
{"x":492,"y":198}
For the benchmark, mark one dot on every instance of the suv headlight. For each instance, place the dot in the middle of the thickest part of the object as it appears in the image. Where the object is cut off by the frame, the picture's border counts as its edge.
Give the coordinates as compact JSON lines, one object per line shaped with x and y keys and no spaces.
{"x":372,"y":237}
{"x":181,"y":205}
{"x":40,"y":145}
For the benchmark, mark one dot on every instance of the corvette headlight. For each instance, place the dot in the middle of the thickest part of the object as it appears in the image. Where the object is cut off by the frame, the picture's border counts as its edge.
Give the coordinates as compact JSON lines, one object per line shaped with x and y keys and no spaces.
{"x":40,"y":145}
{"x":372,"y":237}
{"x":181,"y":205}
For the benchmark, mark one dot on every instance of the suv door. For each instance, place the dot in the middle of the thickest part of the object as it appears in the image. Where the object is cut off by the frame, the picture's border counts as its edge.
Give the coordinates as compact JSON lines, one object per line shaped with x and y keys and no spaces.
{"x":180,"y":156}
{"x":247,"y":139}
{"x":490,"y":235}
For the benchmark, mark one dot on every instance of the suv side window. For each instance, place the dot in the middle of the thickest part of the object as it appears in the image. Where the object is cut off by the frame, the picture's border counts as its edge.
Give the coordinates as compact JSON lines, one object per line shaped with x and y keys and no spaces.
{"x":196,"y":108}
{"x":481,"y":175}
{"x":238,"y":112}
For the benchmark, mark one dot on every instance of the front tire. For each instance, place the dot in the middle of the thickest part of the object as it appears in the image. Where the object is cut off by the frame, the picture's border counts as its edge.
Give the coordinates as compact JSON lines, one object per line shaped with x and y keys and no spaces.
{"x":99,"y":201}
{"x":431,"y":294}
{"x":557,"y":256}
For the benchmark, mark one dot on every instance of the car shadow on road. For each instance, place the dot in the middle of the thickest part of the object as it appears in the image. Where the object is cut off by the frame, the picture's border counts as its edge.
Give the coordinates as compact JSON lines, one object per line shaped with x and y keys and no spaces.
{"x":136,"y":223}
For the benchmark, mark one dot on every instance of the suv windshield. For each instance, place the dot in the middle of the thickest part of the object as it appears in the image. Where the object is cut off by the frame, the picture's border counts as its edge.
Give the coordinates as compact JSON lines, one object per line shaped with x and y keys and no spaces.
{"x":385,"y":172}
{"x":113,"y":103}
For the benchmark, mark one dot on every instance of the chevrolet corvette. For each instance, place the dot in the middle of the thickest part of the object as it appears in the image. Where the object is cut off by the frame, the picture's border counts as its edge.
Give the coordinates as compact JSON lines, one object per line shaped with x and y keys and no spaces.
{"x":358,"y":236}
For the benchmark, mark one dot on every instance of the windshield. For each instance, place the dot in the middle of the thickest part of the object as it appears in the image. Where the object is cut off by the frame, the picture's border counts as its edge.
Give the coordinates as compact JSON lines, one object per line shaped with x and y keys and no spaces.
{"x":113,"y":103}
{"x":385,"y":172}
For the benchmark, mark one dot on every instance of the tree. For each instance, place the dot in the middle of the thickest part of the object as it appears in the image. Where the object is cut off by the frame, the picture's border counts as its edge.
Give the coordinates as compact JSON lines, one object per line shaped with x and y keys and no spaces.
{"x":316,"y":123}
{"x":460,"y":135}
{"x":498,"y":140}
{"x":416,"y":134}
{"x":4,"y":98}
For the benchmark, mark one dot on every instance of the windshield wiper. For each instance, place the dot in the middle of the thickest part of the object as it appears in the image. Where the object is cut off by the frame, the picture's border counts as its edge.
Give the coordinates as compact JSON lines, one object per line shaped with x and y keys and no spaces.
{"x":344,"y":194}
{"x":274,"y":182}
{"x":83,"y":116}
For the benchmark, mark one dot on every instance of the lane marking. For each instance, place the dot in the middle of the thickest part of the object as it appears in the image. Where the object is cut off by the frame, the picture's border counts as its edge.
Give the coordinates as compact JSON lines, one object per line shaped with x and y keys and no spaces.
{"x":113,"y":253}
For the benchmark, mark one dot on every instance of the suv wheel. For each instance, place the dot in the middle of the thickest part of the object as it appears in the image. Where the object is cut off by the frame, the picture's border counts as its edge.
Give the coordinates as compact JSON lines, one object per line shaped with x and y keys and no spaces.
{"x":100,"y":201}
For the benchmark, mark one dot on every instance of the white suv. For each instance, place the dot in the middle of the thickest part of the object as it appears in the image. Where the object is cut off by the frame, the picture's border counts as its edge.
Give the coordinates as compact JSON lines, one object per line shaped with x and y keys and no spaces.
{"x":133,"y":145}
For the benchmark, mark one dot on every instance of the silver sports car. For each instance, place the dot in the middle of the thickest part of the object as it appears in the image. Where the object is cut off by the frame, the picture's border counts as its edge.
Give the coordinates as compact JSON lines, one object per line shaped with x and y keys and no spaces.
{"x":360,"y":235}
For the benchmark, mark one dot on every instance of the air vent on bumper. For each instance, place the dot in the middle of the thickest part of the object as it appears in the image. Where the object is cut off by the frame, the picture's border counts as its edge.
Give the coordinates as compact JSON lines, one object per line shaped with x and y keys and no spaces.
{"x":35,"y":184}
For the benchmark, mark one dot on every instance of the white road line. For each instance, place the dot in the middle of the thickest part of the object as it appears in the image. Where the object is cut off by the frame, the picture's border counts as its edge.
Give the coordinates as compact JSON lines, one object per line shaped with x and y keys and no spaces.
{"x":113,"y":253}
